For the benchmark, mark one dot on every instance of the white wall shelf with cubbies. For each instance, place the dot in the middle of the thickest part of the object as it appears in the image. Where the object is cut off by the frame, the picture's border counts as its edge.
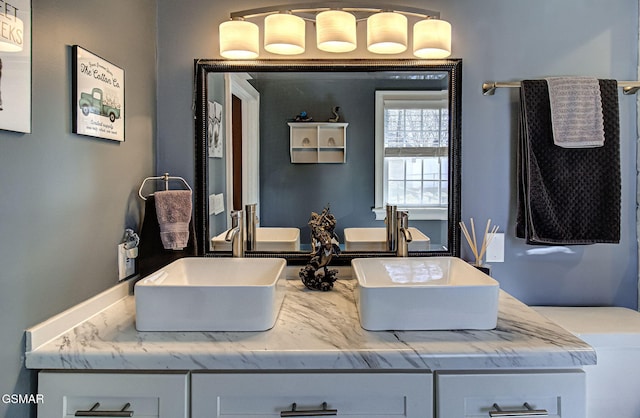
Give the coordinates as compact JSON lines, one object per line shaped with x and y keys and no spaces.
{"x":318,"y":142}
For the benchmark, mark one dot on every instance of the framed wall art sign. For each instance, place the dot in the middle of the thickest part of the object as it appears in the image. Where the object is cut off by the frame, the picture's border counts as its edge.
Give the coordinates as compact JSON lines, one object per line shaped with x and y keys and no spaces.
{"x":15,"y":65}
{"x":214,"y":129}
{"x":98,"y":96}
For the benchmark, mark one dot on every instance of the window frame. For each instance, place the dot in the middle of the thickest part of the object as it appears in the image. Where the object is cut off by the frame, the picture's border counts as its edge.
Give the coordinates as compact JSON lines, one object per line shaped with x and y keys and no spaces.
{"x":415,"y":212}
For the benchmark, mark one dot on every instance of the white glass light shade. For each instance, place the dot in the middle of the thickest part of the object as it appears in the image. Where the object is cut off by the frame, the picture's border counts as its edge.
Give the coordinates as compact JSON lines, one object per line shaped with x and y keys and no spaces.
{"x":284,"y":34}
{"x":336,"y":31}
{"x":387,"y":33}
{"x":432,"y":39}
{"x":12,"y":34}
{"x":239,"y":39}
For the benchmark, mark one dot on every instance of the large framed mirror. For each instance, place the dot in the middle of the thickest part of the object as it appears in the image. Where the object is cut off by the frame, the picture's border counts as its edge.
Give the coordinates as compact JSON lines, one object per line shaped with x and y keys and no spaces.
{"x":297,"y":136}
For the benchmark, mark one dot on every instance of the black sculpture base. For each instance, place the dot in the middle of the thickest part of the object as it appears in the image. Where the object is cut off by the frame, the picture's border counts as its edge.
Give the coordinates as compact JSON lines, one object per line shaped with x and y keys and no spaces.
{"x":318,"y":279}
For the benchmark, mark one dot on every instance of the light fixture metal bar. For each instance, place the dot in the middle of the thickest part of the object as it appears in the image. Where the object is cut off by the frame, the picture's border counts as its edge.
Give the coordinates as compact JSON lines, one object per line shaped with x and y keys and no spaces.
{"x":369,"y":6}
{"x":489,"y":87}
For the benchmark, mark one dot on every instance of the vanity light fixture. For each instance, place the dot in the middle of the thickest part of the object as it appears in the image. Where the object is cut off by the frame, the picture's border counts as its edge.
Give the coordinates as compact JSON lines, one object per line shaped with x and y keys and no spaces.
{"x":284,"y":34}
{"x":387,"y":33}
{"x":432,"y":38}
{"x":335,"y":23}
{"x":336,"y":31}
{"x":239,"y":39}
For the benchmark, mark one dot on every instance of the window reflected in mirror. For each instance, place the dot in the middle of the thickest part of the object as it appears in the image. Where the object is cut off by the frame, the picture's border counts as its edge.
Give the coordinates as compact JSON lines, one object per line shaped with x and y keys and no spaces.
{"x":412,"y":144}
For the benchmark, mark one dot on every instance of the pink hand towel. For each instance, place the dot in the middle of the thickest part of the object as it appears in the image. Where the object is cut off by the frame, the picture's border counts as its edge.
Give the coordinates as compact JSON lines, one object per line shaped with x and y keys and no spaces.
{"x":174,"y":214}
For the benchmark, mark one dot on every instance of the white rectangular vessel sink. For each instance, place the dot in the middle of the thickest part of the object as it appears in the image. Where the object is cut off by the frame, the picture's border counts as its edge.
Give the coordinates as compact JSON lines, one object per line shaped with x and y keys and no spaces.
{"x":211,"y":294}
{"x":267,"y":239}
{"x":375,"y":239}
{"x":424,"y":293}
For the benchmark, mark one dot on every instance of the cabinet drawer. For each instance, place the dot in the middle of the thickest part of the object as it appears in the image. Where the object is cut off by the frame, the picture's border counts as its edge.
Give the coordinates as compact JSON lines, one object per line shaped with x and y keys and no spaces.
{"x":466,"y":395}
{"x":351,"y":394}
{"x":148,"y":395}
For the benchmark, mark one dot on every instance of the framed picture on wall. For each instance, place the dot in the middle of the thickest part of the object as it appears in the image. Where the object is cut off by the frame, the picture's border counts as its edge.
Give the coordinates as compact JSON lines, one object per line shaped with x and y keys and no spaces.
{"x":98,"y":96}
{"x":214,"y":129}
{"x":15,"y":65}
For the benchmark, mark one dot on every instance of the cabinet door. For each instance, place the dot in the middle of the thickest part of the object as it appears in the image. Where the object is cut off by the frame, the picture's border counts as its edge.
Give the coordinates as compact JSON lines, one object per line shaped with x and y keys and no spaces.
{"x":331,"y":143}
{"x":147,"y":395}
{"x":466,"y":395}
{"x":349,"y":394}
{"x":331,"y":137}
{"x":304,"y":137}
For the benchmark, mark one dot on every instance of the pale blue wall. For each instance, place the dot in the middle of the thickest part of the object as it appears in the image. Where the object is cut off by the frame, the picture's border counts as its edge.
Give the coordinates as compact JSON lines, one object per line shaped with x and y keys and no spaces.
{"x":65,"y":199}
{"x":504,"y":41}
{"x":498,"y":40}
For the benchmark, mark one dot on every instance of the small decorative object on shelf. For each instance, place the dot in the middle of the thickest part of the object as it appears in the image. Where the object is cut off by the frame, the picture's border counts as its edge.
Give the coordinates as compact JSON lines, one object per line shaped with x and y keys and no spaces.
{"x":324,"y":246}
{"x":336,"y":116}
{"x":489,"y":233}
{"x":303,"y":117}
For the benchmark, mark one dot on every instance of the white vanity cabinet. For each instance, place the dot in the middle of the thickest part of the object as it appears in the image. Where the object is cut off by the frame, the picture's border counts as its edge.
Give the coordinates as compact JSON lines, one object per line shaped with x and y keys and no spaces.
{"x":450,"y":394}
{"x":318,"y":142}
{"x":559,"y":394}
{"x":357,"y":395}
{"x":85,"y":394}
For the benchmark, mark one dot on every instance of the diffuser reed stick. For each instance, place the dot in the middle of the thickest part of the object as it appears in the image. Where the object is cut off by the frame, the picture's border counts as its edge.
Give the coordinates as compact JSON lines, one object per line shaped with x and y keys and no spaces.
{"x":489,"y":233}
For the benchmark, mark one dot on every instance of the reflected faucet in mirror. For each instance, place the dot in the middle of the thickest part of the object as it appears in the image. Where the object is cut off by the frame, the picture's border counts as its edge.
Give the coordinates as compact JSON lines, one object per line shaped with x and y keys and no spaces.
{"x":235,"y":235}
{"x":391,"y":224}
{"x":404,"y":235}
{"x":251,"y":224}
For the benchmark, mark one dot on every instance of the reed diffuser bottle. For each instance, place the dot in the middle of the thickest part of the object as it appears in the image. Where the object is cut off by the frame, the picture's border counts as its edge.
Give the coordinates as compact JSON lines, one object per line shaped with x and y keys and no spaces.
{"x":479,"y":252}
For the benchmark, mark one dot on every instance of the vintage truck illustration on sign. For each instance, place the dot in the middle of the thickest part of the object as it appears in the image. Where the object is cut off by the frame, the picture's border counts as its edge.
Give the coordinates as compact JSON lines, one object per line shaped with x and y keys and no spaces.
{"x":96,"y":103}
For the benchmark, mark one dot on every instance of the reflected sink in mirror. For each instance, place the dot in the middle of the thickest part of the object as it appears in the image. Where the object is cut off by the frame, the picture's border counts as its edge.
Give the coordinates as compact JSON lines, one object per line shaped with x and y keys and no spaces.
{"x":375,"y":239}
{"x":424,"y":293}
{"x":267,"y":239}
{"x":212,"y":294}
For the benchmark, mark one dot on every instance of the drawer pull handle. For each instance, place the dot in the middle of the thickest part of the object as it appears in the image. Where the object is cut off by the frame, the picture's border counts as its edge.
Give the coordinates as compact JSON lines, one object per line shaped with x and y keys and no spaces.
{"x":310,"y":412}
{"x":93,"y":412}
{"x":529,"y":412}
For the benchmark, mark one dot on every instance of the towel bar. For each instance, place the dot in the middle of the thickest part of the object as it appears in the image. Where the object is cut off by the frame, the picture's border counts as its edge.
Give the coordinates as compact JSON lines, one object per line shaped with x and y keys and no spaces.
{"x":489,"y":87}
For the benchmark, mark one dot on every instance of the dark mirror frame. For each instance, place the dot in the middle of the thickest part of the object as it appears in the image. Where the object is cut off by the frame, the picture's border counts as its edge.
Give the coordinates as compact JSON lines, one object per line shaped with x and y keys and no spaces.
{"x":202,"y":68}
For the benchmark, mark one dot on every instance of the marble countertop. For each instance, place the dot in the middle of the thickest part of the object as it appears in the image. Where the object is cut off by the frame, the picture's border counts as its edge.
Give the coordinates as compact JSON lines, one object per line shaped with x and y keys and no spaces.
{"x":314,"y":331}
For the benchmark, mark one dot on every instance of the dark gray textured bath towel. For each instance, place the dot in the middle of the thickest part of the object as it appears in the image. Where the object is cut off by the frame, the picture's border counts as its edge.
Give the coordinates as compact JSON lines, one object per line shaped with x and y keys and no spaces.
{"x":567,"y":196}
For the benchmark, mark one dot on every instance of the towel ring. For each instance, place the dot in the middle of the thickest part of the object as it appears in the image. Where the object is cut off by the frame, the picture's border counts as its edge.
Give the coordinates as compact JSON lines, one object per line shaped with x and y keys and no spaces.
{"x":166,"y":178}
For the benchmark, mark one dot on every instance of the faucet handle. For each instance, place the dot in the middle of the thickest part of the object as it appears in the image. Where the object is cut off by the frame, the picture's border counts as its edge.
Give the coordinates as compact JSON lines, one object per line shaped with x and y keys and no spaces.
{"x":403,"y":224}
{"x":236,"y":218}
{"x":403,"y":218}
